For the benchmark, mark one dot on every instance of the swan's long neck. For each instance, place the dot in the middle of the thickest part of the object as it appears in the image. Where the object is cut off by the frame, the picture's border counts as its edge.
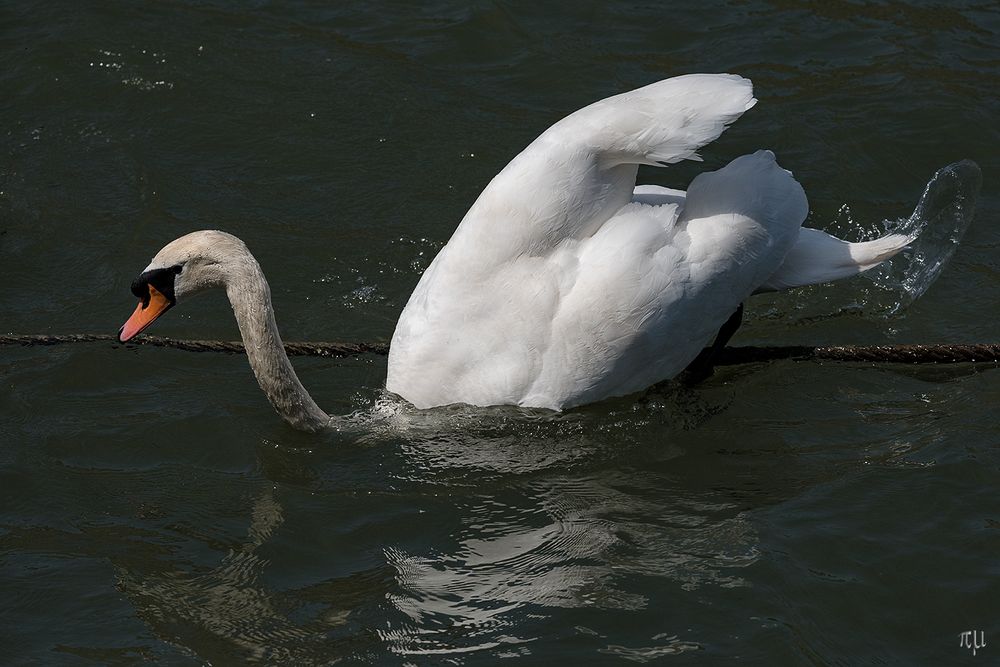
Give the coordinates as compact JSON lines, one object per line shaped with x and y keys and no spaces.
{"x":251,"y":299}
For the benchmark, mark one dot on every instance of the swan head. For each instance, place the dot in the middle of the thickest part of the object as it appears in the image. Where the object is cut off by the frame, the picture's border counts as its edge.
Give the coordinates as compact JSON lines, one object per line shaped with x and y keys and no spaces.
{"x":184,"y":267}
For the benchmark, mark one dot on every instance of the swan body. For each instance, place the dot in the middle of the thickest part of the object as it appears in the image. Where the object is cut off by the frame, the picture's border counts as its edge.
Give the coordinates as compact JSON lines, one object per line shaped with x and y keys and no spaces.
{"x":565,"y":283}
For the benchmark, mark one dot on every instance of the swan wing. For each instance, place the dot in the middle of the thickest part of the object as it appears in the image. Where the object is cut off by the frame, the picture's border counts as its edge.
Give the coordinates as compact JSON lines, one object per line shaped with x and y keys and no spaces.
{"x":581,"y":171}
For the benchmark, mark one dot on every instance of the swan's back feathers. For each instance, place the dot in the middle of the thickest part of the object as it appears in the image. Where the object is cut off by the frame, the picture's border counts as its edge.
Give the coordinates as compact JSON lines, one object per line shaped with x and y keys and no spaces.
{"x":754,"y":185}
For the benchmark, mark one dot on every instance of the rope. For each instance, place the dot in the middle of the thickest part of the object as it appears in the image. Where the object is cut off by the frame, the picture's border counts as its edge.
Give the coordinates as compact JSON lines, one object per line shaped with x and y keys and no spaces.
{"x":886,"y":354}
{"x":293,"y":349}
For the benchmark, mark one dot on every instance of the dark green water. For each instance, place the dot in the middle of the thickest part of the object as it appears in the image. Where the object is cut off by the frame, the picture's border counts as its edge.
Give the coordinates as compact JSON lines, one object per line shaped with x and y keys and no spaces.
{"x":153,"y":508}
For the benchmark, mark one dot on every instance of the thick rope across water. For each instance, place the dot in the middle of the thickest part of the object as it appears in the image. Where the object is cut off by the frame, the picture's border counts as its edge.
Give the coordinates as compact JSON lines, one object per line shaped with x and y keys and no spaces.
{"x":885,"y":354}
{"x":292,"y":349}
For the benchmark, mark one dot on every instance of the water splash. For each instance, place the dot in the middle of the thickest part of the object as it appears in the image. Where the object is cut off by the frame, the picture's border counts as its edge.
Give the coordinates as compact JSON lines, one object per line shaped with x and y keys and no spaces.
{"x":939,"y":221}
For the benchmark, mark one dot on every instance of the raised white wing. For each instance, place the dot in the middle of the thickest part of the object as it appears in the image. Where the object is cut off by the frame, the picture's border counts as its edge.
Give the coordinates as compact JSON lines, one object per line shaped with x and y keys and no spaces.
{"x":579,"y":172}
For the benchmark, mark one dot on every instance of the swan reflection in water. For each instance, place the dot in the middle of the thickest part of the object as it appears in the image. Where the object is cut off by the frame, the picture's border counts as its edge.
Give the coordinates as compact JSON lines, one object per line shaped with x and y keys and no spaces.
{"x":501,"y":530}
{"x":520,"y":515}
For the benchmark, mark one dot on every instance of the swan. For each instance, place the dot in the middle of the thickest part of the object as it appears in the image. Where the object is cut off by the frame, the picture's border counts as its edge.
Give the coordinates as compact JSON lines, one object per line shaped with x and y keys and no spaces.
{"x":565,"y":283}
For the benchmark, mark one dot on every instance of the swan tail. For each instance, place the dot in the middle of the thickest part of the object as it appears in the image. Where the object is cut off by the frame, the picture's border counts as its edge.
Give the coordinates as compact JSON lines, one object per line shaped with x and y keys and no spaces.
{"x":664,"y":122}
{"x":818,"y":257}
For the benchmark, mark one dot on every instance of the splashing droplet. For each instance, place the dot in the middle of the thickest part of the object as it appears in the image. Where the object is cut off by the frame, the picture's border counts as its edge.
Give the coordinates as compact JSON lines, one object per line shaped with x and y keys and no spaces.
{"x":939,"y":221}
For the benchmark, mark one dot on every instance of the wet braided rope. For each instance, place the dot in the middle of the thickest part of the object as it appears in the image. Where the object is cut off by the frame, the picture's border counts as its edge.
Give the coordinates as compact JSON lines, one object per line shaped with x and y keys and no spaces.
{"x":293,"y":349}
{"x":892,"y":354}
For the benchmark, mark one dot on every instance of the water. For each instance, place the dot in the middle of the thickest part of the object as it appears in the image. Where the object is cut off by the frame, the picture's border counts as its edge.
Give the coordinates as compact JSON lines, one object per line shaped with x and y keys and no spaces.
{"x":153,"y":508}
{"x":937,"y":225}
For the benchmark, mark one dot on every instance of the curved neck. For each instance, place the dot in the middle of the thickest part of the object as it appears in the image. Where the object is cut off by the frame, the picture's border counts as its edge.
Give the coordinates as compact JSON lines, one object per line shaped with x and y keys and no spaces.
{"x":251,"y":300}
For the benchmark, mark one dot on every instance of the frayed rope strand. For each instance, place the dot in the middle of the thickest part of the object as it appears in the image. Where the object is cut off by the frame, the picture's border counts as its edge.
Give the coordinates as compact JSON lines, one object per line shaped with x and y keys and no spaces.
{"x":889,"y":354}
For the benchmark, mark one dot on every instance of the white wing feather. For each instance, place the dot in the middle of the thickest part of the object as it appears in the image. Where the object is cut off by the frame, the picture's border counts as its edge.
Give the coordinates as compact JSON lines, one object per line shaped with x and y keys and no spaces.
{"x":579,"y":172}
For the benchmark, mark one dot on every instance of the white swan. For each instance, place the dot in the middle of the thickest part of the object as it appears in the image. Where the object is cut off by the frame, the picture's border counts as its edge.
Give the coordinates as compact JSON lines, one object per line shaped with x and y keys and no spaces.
{"x":564,"y":283}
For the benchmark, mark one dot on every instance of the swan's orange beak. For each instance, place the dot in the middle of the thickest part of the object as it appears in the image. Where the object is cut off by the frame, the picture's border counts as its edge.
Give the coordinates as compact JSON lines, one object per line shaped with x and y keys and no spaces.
{"x":145,"y":314}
